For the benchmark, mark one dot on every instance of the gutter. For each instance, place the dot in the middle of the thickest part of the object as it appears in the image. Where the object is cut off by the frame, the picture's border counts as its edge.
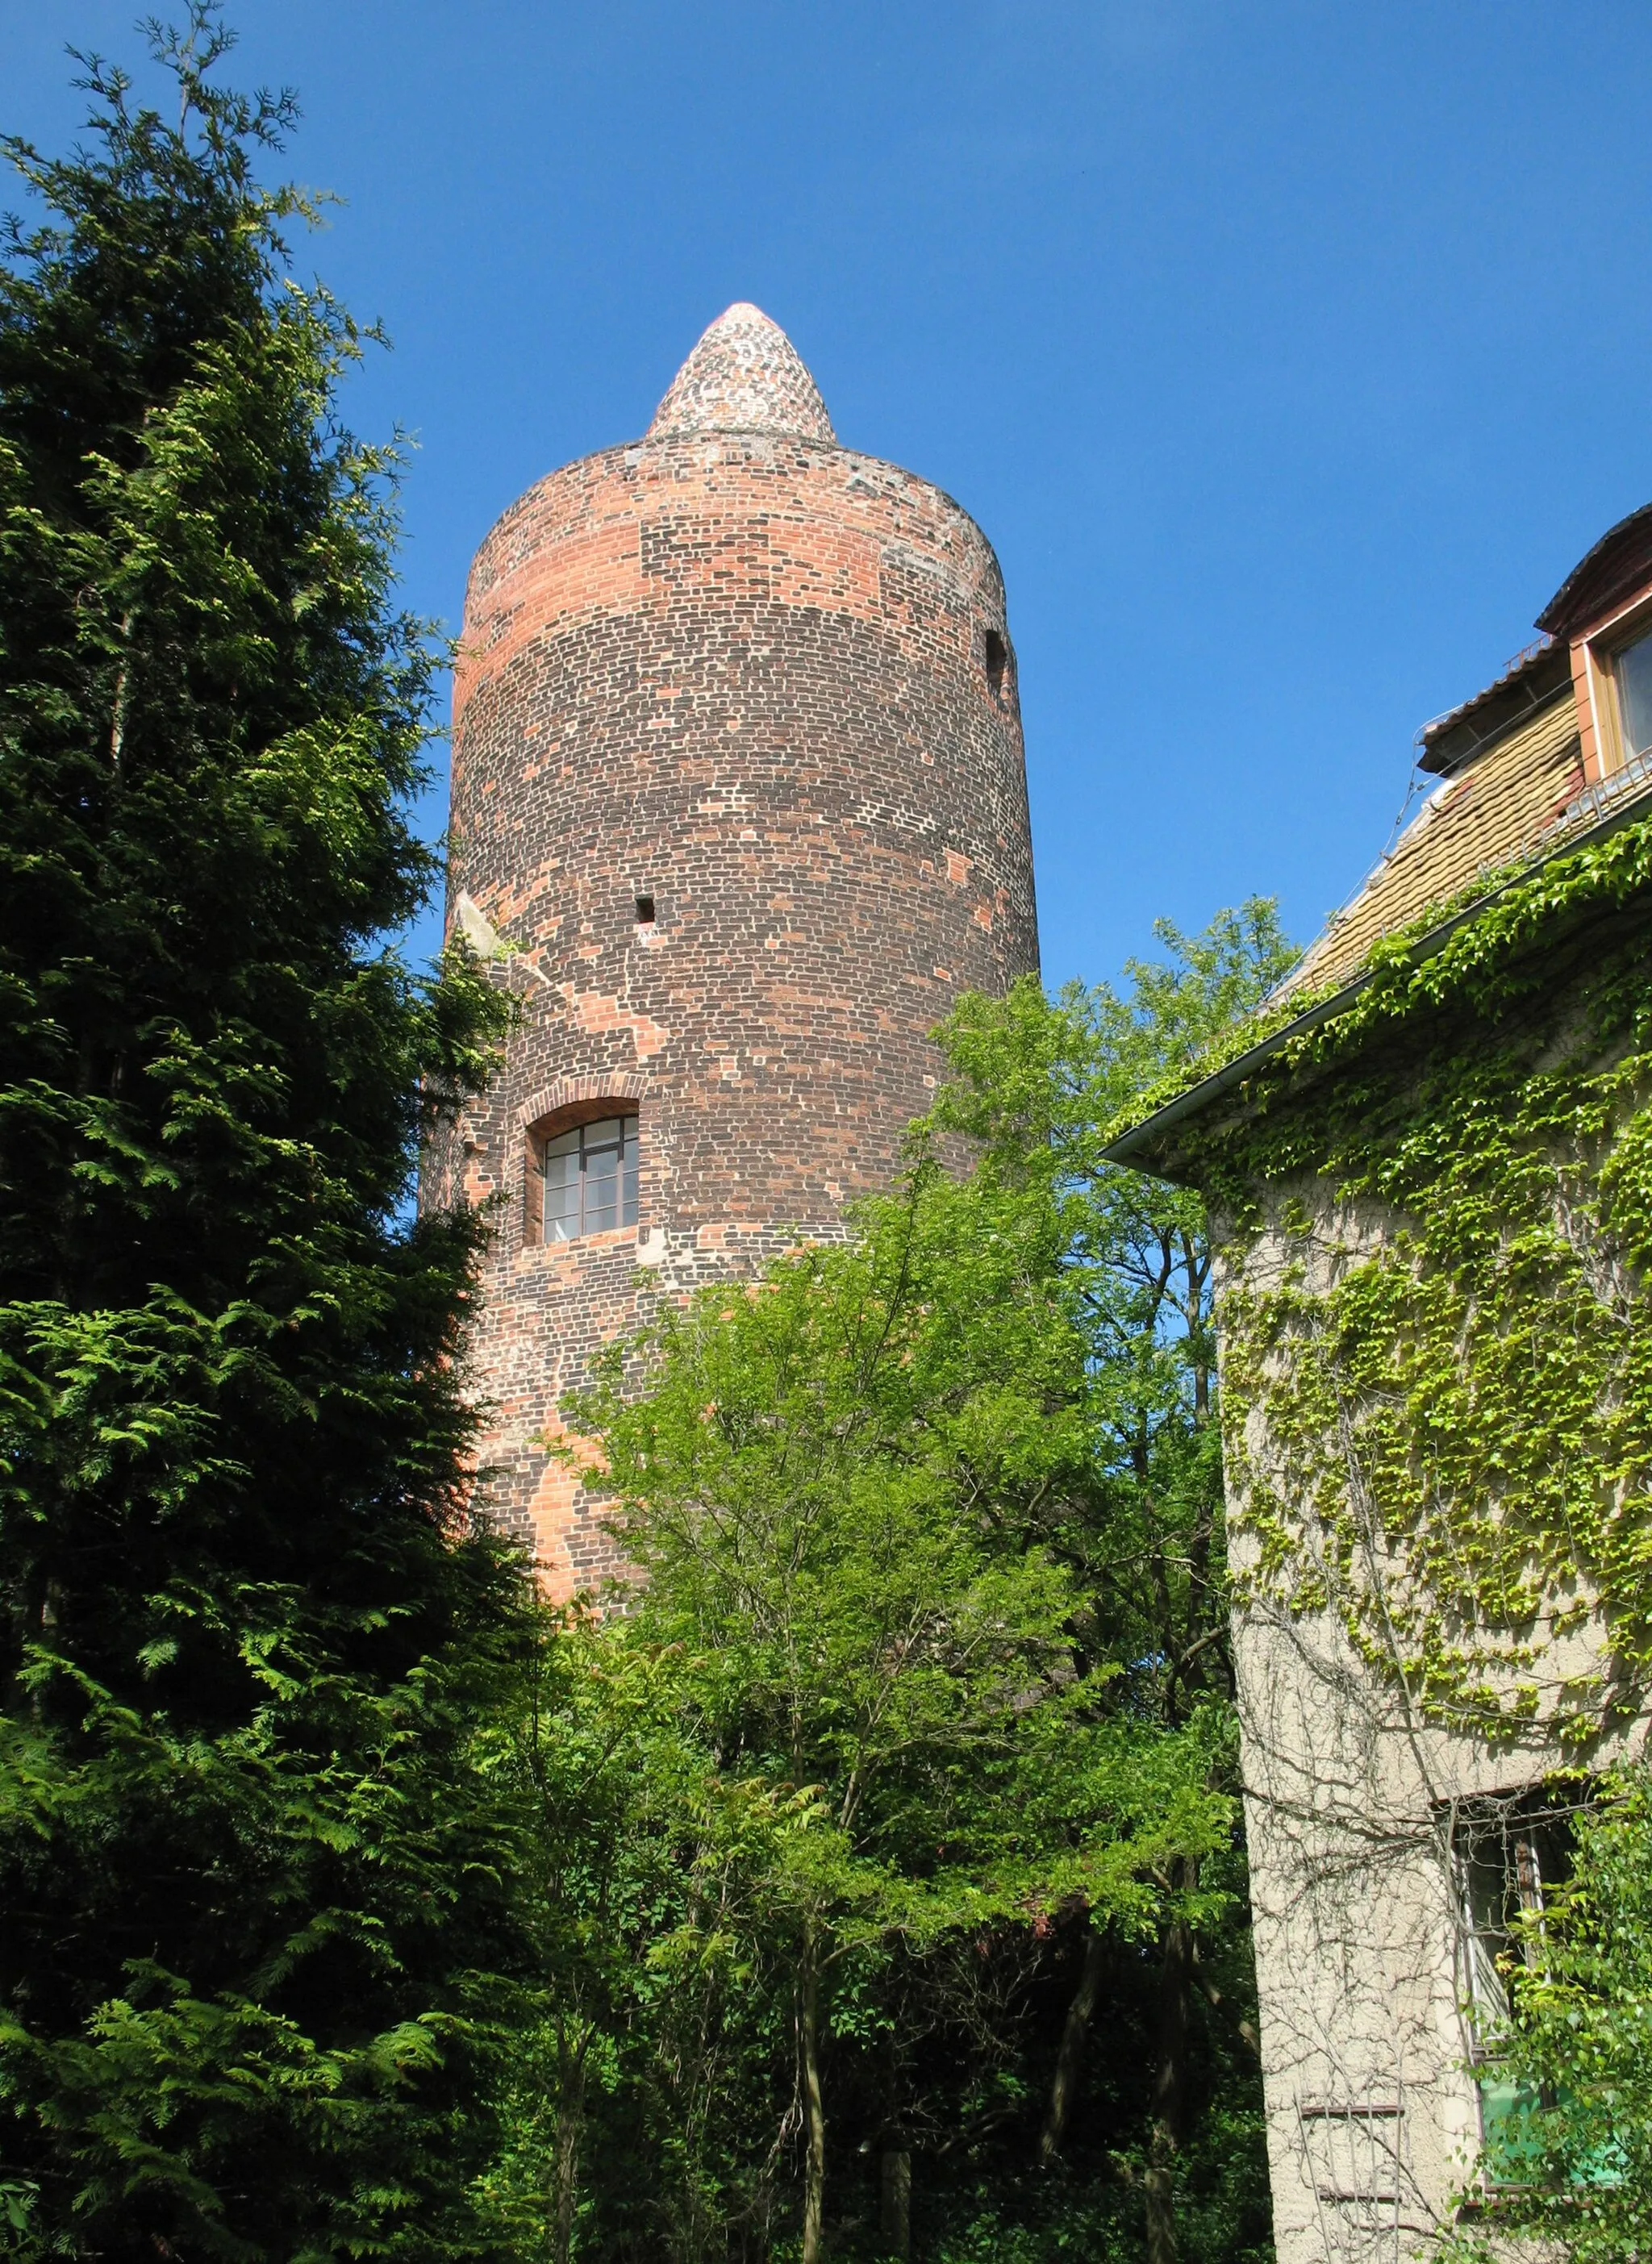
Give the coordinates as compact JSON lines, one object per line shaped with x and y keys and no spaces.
{"x":1130,"y":1144}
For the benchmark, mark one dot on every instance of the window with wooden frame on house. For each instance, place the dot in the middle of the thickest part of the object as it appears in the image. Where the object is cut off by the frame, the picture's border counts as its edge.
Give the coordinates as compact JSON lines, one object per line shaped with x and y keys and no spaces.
{"x":1618,"y":675}
{"x":1631,"y":673}
{"x":582,"y":1179}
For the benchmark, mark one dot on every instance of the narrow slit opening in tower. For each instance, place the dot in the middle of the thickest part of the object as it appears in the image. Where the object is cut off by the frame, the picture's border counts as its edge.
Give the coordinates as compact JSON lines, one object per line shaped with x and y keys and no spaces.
{"x":644,"y":911}
{"x":997,"y":661}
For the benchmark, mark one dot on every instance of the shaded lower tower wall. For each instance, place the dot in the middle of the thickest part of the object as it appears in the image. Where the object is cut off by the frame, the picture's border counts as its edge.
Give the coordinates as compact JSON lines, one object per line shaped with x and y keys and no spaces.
{"x":762,"y":687}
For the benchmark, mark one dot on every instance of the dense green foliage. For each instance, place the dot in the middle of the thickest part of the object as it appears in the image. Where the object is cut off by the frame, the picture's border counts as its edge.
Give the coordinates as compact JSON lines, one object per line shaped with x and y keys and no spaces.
{"x":910,"y":1760}
{"x":252,"y":1883}
{"x":827,"y":1491}
{"x":1038,"y":1090}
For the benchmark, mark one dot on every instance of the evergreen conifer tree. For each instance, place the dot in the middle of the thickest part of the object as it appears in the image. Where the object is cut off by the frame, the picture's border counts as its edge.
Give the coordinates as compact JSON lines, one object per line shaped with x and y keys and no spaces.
{"x":254,"y":1896}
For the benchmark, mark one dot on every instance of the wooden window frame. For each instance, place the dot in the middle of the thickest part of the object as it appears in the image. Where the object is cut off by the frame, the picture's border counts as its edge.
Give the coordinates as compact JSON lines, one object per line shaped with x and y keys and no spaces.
{"x":1595,"y":676}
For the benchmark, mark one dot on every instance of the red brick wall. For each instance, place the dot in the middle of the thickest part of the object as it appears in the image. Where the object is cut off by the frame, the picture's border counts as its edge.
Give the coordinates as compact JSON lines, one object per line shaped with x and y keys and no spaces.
{"x":744,"y":675}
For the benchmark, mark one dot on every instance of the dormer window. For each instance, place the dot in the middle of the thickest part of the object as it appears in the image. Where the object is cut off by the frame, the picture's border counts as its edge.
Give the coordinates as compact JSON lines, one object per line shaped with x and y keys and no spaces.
{"x":1631,"y":669}
{"x":1603,"y":612}
{"x":583,"y":1180}
{"x":1612,"y":676}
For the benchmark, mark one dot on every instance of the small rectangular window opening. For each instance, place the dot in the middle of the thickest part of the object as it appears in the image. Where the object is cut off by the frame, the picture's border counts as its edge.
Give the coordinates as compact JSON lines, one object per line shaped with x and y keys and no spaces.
{"x":644,"y":911}
{"x":997,"y":660}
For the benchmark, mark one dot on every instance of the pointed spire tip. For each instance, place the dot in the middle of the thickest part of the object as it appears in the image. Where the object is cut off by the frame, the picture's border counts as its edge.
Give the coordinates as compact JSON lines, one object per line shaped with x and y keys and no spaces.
{"x":745,"y":376}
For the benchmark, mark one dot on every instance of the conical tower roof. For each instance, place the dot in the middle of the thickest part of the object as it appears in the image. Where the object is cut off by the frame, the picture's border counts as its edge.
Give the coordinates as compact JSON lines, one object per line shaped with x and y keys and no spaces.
{"x":744,"y":376}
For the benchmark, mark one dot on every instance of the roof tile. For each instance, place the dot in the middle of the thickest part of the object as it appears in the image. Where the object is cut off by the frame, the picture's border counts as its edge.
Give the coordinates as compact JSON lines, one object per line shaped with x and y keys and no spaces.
{"x":1519,"y":795}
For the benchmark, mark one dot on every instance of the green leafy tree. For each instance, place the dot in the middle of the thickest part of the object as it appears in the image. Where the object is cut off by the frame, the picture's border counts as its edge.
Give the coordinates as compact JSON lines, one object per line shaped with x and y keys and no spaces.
{"x":252,"y":1886}
{"x":921,"y":1677}
{"x":1037,"y":1083}
{"x":833,"y":1488}
{"x":641,"y":2069}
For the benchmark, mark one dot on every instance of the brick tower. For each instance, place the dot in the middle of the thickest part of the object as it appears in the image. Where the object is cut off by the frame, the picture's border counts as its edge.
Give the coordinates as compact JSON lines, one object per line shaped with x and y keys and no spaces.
{"x":738,"y":781}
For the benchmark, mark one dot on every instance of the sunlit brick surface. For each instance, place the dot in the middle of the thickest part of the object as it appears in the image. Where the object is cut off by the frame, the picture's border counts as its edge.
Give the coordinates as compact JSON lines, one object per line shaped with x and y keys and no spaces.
{"x":746,"y":674}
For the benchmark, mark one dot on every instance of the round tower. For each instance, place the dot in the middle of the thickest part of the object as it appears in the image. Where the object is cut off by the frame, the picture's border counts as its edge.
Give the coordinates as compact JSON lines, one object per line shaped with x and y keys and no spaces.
{"x":737,"y":784}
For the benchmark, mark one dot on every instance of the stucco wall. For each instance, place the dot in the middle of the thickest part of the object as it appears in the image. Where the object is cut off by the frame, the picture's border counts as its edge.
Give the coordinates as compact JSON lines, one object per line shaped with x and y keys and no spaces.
{"x":1351,"y":1797}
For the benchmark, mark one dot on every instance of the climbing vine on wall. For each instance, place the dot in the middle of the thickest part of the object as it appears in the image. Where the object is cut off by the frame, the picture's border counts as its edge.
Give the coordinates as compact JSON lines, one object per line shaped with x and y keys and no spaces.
{"x":1458,"y":1408}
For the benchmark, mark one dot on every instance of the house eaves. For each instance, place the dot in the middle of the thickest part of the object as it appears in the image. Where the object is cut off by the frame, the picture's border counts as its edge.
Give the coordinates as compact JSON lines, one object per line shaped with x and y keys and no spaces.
{"x":1599,"y":812}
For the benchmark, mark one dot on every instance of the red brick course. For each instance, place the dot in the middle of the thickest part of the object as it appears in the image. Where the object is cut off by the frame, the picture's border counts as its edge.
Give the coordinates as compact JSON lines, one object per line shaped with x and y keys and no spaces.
{"x":744,"y":675}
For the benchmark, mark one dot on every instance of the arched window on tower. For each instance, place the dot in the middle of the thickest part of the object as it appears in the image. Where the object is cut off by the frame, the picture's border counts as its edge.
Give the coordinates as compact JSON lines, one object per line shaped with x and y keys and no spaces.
{"x":582,"y":1178}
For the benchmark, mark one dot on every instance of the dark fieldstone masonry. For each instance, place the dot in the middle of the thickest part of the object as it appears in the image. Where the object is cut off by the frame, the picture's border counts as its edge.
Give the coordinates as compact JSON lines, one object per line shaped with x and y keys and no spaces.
{"x":760,"y":687}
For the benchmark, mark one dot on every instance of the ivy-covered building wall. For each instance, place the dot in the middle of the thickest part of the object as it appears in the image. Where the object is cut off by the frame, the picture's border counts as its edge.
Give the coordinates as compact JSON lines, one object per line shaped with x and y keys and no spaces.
{"x":1430,"y":1161}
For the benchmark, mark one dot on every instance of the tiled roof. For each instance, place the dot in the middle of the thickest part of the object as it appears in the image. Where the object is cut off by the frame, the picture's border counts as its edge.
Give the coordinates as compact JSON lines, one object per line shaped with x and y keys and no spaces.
{"x":1520,"y":795}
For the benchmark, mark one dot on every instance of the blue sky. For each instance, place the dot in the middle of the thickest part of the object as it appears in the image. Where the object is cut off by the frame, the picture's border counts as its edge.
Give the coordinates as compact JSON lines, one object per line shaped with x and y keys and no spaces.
{"x":1290,"y":351}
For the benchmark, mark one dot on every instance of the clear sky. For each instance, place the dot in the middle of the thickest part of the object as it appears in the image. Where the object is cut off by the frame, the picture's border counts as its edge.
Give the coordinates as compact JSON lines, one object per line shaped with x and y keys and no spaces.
{"x":1291,"y":351}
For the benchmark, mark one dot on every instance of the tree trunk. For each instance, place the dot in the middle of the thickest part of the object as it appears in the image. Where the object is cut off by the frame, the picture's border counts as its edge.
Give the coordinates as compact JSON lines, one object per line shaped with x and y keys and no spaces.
{"x":1169,"y":2088}
{"x":565,"y":2161}
{"x":895,"y":2203}
{"x":1070,"y":2059}
{"x":813,"y":2104}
